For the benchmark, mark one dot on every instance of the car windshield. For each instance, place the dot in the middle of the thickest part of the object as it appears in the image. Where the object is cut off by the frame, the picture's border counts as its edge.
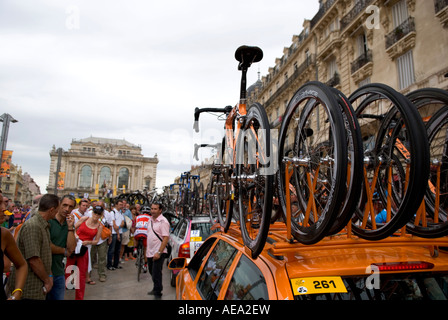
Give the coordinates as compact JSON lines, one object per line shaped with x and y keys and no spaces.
{"x":201,"y":229}
{"x":398,"y":286}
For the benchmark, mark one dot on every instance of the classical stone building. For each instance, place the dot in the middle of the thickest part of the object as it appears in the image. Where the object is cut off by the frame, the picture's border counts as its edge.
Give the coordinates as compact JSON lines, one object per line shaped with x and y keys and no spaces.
{"x":100,"y":166}
{"x":349,"y":43}
{"x":19,"y":187}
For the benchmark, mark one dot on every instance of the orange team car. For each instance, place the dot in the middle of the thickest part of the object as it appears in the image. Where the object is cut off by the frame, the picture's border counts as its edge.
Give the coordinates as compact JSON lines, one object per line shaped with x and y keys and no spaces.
{"x":342,"y":267}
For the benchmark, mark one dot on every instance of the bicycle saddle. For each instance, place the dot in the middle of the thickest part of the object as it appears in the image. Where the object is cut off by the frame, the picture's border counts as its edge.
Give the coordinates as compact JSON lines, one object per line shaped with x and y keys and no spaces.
{"x":247,"y":55}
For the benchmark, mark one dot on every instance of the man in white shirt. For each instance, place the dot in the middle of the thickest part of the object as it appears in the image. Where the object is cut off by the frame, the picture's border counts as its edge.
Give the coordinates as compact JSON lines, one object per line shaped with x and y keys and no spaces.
{"x":113,"y":254}
{"x":81,"y":210}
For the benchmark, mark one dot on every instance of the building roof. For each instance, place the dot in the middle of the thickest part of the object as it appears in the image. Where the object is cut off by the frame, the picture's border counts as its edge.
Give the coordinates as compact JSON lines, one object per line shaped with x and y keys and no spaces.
{"x":98,"y":140}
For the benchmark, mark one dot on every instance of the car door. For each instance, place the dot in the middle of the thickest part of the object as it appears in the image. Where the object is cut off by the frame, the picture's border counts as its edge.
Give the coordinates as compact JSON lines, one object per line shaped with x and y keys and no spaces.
{"x":214,"y":271}
{"x":177,"y":237}
{"x":186,"y":280}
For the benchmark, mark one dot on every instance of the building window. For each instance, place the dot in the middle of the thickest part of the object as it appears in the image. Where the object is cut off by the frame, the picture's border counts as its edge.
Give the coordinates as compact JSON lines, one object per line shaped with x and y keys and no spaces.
{"x":105,"y":178}
{"x":85,"y":179}
{"x":405,"y":66}
{"x":400,"y":13}
{"x":123,"y":178}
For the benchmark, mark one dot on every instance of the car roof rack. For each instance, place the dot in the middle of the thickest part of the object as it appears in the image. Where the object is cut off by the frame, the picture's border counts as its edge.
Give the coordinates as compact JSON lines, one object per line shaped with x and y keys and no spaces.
{"x":279,"y":244}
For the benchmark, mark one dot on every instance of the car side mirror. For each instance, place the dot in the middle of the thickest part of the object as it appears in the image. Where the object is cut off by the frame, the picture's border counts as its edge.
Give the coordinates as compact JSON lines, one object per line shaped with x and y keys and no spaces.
{"x":177,"y":263}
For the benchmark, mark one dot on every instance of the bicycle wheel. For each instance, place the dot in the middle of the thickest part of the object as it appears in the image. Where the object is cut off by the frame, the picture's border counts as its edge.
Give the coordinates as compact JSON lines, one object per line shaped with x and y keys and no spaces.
{"x":198,"y":198}
{"x":430,"y":103}
{"x":433,"y":222}
{"x":255,"y":176}
{"x":137,"y":198}
{"x":396,"y":160}
{"x":211,"y":199}
{"x":223,"y":191}
{"x":139,"y":261}
{"x":355,"y":164}
{"x":319,"y":160}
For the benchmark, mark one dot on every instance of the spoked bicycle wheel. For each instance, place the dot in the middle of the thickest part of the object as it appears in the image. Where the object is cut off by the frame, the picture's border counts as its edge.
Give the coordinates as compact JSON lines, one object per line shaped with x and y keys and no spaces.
{"x":211,"y":199}
{"x":139,"y":260}
{"x":313,"y":129}
{"x":255,"y":176}
{"x":354,"y":166}
{"x":137,"y":198}
{"x":431,"y":220}
{"x":223,"y":190}
{"x":432,"y":104}
{"x":396,"y":156}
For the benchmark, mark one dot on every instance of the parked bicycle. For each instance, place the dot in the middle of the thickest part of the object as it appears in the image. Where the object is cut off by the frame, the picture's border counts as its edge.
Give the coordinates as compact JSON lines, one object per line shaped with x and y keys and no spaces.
{"x":244,"y":176}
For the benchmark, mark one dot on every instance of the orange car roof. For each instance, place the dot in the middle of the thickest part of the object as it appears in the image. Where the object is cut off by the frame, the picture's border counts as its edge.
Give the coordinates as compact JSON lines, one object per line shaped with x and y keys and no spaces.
{"x":344,"y":255}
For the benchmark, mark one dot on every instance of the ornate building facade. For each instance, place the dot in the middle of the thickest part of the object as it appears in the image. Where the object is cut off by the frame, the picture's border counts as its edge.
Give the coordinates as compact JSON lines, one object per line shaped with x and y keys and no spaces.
{"x":98,"y":166}
{"x":349,"y":43}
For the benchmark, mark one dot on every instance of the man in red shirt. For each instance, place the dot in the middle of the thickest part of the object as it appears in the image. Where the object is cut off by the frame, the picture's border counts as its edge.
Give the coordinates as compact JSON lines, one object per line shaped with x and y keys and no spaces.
{"x":156,"y":250}
{"x":140,"y":231}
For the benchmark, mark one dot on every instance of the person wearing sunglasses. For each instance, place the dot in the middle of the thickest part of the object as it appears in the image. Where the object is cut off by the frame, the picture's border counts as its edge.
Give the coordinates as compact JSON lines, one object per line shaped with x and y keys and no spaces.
{"x":88,"y":233}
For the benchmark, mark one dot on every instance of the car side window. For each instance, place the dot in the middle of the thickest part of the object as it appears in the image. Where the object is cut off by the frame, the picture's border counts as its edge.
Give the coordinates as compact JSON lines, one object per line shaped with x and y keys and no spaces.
{"x":183,"y":229}
{"x":199,"y":256}
{"x":176,"y":230}
{"x":215,"y":270}
{"x":247,"y":283}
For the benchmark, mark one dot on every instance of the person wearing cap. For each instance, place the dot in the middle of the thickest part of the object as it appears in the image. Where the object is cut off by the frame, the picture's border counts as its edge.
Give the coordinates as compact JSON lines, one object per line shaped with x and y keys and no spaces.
{"x":140,"y":231}
{"x":100,"y":250}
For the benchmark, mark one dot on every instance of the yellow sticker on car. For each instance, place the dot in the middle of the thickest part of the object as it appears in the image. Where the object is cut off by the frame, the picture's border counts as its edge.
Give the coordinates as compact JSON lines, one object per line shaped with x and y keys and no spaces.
{"x":195,"y":239}
{"x":318,"y":285}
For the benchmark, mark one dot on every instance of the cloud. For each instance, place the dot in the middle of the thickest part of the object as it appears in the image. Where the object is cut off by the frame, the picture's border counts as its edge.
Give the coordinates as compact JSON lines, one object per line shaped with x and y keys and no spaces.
{"x":133,"y":70}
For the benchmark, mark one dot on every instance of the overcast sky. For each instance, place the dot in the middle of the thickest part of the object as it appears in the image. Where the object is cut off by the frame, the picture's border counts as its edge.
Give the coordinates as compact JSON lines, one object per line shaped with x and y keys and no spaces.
{"x":135,"y":69}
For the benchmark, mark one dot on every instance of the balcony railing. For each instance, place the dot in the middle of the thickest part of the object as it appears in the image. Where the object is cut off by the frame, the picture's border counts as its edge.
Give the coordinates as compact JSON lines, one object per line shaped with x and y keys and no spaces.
{"x":400,"y":32}
{"x":362,"y":60}
{"x":310,"y":60}
{"x":334,"y":81}
{"x":322,"y":10}
{"x":440,"y":4}
{"x":359,"y":7}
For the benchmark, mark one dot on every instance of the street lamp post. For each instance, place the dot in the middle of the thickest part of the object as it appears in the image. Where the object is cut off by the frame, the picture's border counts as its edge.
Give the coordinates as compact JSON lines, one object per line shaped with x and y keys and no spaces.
{"x":6,"y":118}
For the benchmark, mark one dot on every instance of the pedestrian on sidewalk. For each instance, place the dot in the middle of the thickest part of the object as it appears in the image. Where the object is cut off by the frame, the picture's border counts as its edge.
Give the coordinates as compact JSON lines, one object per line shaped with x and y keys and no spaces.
{"x":9,"y":251}
{"x":34,"y":243}
{"x":100,"y":250}
{"x":78,"y":213}
{"x":88,"y":233}
{"x":113,"y":253}
{"x":63,"y":243}
{"x":156,"y":250}
{"x":126,"y":232}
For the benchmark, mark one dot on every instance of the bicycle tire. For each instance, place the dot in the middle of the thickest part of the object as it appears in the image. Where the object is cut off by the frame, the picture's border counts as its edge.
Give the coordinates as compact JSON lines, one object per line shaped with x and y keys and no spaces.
{"x":317,"y":98}
{"x":139,"y":262}
{"x":211,"y":200}
{"x":436,"y":226}
{"x":430,"y":102}
{"x":223,"y":191}
{"x":255,"y":177}
{"x":355,"y":164}
{"x":398,"y":120}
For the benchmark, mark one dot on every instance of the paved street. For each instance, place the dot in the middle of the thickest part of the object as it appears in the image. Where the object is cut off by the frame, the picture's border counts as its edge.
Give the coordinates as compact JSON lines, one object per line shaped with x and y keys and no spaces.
{"x":122,"y":284}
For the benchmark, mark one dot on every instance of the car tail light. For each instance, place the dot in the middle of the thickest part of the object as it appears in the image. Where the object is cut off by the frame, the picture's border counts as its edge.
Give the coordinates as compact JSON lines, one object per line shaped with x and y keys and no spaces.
{"x":403,"y":266}
{"x":184,"y":250}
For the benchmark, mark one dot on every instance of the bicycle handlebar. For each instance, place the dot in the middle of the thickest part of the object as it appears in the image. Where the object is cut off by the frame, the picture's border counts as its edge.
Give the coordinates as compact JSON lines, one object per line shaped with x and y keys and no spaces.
{"x":198,"y":111}
{"x":197,"y":146}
